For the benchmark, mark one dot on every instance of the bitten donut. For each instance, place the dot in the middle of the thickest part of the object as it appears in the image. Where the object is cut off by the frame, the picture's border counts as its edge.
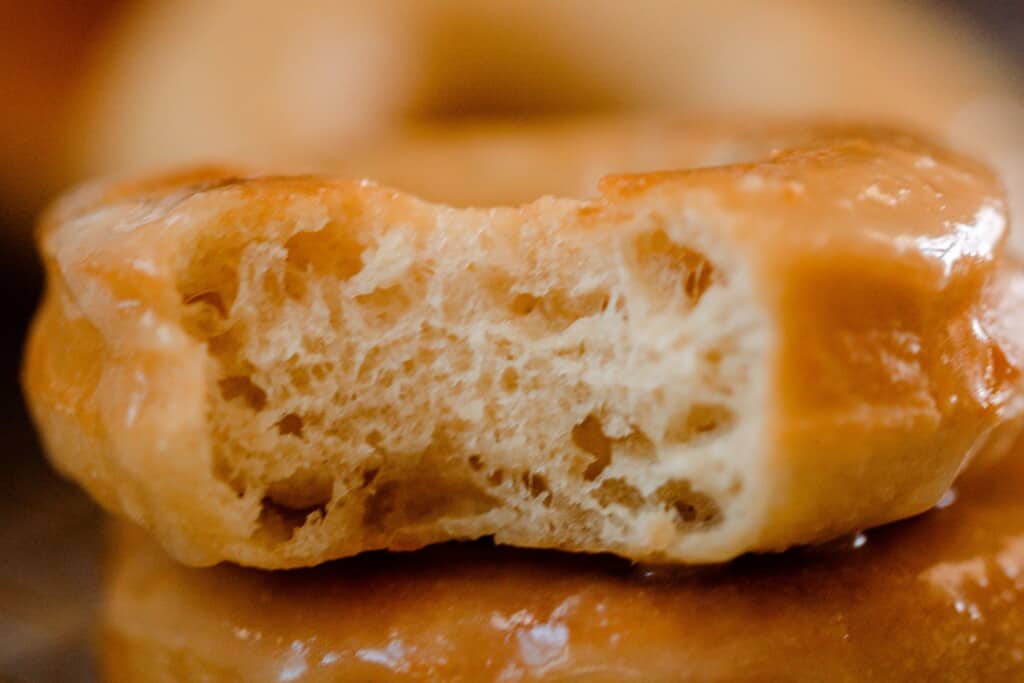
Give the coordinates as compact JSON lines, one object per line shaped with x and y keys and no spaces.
{"x":812,"y":339}
{"x":936,"y":598}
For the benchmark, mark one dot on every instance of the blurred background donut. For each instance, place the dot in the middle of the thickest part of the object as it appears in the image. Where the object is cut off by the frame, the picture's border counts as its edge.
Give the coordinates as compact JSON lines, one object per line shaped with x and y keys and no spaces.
{"x":299,"y":82}
{"x":101,"y":86}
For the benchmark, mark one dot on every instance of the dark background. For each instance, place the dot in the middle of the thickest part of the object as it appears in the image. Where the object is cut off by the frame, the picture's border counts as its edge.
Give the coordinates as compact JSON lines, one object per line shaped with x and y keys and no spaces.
{"x":49,"y":532}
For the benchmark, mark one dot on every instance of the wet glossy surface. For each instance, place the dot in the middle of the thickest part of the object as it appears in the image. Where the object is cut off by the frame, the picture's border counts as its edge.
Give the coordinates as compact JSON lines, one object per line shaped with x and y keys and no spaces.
{"x":939,"y":597}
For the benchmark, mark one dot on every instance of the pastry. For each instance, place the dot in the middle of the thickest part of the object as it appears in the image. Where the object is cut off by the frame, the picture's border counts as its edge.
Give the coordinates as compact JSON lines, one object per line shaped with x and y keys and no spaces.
{"x":691,"y":365}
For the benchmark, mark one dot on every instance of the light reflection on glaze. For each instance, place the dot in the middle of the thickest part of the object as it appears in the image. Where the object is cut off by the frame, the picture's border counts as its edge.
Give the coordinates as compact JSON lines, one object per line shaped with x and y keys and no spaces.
{"x":875,"y":193}
{"x":542,"y":644}
{"x":295,"y":665}
{"x":967,"y":241}
{"x":948,"y":498}
{"x":960,"y":580}
{"x":391,"y":656}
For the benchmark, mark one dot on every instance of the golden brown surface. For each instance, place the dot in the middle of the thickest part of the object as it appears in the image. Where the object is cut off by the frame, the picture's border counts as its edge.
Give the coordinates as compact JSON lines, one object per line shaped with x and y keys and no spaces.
{"x":938,"y":598}
{"x":892,"y":360}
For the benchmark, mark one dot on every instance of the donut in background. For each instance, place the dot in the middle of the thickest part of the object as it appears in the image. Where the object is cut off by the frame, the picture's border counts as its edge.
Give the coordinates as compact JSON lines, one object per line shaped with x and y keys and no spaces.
{"x":933,"y":598}
{"x":300,"y":82}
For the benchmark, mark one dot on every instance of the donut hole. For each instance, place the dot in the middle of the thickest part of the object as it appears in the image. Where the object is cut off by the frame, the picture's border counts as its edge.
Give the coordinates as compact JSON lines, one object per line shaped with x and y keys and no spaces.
{"x":466,"y":77}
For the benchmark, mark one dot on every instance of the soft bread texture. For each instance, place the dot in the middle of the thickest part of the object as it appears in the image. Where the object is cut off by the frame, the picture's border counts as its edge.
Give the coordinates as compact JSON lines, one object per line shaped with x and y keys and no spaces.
{"x":937,"y":598}
{"x":279,"y":371}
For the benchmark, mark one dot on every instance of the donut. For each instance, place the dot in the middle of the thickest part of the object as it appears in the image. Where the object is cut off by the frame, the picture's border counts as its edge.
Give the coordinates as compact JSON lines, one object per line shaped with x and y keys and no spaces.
{"x":936,"y":598}
{"x":300,"y":83}
{"x":811,"y":339}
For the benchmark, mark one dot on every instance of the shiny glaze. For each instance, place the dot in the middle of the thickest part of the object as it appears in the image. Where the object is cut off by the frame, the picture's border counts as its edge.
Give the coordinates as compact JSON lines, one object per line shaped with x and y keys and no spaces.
{"x":899,"y":342}
{"x":881,"y":255}
{"x":939,"y":597}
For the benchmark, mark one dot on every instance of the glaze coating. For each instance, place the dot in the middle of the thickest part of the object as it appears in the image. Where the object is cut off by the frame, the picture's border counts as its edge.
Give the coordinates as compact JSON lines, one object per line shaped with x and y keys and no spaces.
{"x":939,"y":597}
{"x":879,"y":357}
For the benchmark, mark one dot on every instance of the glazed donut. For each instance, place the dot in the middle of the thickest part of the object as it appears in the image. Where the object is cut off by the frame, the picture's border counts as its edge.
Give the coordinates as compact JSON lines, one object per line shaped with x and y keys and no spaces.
{"x":812,"y":339}
{"x":298,"y":83}
{"x":937,"y":598}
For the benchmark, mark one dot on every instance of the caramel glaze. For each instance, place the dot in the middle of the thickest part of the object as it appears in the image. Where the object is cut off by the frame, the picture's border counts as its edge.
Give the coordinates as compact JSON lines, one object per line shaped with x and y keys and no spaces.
{"x":939,"y":597}
{"x":898,"y":351}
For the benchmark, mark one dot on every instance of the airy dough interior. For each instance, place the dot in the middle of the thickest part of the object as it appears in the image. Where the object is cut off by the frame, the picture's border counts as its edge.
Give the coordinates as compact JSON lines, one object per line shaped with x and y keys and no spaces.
{"x":588,"y":381}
